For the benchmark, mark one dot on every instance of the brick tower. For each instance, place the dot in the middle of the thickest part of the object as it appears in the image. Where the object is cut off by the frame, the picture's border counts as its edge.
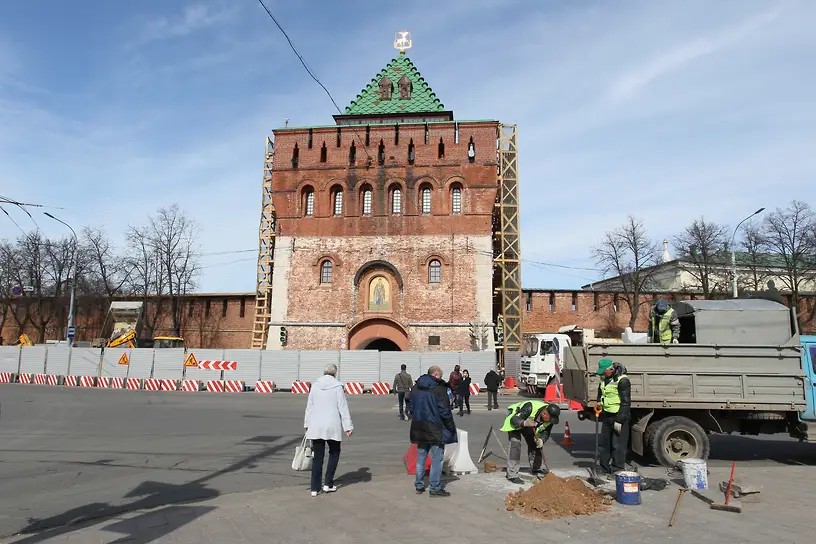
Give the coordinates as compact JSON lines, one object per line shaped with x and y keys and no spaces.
{"x":383,"y":225}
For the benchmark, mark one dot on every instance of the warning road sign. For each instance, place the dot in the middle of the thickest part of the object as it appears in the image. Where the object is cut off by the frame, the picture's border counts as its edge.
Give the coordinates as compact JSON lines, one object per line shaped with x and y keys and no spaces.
{"x":123,"y":360}
{"x":190,"y":360}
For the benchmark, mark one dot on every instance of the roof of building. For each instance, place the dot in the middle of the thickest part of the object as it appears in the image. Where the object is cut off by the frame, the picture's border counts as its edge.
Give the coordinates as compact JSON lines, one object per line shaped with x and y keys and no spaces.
{"x":423,"y":99}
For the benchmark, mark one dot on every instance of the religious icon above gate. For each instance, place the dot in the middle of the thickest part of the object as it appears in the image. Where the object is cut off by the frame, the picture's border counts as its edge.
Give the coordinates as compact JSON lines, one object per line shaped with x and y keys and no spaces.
{"x":379,"y":295}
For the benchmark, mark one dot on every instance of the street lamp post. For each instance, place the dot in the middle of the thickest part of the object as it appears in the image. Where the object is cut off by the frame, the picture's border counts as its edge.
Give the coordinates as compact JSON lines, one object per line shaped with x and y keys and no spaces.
{"x":734,"y":252}
{"x":70,"y":333}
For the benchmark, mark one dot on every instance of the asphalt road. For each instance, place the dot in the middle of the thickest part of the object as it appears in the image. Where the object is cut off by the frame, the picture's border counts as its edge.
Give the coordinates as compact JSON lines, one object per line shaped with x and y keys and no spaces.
{"x":71,"y":454}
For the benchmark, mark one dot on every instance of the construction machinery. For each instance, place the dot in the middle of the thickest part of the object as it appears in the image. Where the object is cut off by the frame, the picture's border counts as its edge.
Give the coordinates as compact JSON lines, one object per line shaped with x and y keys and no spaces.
{"x":24,"y":340}
{"x":123,"y":327}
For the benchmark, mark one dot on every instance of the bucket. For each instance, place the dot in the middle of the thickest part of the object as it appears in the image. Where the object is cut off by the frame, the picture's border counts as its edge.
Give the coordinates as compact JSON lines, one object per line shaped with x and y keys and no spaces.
{"x":695,"y":473}
{"x":627,"y":485}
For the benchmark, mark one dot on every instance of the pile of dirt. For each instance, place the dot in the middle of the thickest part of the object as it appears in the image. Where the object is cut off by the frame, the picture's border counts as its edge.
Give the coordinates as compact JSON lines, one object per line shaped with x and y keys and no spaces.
{"x":490,"y":466}
{"x":555,"y":497}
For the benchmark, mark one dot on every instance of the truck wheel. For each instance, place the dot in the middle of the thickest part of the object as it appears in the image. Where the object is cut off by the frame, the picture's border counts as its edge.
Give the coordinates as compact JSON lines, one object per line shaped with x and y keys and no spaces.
{"x":648,"y":440}
{"x":676,"y":438}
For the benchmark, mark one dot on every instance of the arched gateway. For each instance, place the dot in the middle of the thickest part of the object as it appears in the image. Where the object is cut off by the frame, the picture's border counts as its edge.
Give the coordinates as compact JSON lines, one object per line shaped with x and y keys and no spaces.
{"x":380,"y":334}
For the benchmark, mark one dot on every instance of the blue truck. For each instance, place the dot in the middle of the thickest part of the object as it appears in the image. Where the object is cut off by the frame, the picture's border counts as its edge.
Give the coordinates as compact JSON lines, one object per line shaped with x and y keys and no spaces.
{"x":741,"y":367}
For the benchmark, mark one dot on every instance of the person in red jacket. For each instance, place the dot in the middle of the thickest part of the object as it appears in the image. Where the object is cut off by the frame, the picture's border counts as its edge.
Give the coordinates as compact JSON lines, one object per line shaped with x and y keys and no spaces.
{"x":453,"y":381}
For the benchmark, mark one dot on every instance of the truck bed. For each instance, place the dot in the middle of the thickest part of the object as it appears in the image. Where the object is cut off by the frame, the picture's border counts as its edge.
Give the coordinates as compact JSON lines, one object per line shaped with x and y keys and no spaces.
{"x":695,"y":376}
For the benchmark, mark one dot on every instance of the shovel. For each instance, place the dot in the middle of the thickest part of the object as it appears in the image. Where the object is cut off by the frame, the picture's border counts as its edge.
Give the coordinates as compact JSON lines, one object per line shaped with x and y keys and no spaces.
{"x":594,"y":477}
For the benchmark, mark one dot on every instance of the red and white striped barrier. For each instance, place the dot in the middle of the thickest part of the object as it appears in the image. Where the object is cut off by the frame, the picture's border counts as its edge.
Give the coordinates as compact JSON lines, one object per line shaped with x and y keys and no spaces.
{"x":152,"y":384}
{"x":24,"y":378}
{"x":474,"y":389}
{"x":301,"y":388}
{"x":169,"y":385}
{"x":380,"y":388}
{"x":70,"y":381}
{"x":265,"y":386}
{"x":117,"y":383}
{"x":190,"y":385}
{"x":233,"y":386}
{"x":86,"y":381}
{"x":133,"y":384}
{"x":353,"y":388}
{"x":39,"y":379}
{"x":215,"y":387}
{"x":50,"y":379}
{"x":5,"y":377}
{"x":103,"y":381}
{"x":218,"y":365}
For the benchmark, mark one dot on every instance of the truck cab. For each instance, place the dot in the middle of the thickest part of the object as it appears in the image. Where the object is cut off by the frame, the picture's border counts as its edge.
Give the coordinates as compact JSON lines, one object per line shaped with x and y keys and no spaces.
{"x":542,"y":360}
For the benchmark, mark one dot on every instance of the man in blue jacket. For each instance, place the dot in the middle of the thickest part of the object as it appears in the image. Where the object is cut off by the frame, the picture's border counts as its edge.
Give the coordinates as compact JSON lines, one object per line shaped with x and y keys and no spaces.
{"x":432,"y":427}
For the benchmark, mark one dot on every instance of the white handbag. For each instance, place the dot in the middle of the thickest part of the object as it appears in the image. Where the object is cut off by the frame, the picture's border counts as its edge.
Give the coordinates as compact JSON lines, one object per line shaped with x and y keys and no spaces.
{"x":303,"y":456}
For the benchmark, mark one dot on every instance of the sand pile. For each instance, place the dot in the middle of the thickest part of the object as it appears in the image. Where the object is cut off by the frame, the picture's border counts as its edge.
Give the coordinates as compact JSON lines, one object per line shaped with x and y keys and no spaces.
{"x":555,"y":497}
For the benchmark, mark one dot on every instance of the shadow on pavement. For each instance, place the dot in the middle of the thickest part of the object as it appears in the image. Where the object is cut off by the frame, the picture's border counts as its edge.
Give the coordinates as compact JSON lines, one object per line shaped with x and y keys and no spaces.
{"x":153,"y":495}
{"x":362,"y":474}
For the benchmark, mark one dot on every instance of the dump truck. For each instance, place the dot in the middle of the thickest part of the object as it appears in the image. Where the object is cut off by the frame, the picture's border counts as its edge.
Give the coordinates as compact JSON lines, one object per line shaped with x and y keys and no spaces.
{"x":123,"y":327}
{"x":741,"y":367}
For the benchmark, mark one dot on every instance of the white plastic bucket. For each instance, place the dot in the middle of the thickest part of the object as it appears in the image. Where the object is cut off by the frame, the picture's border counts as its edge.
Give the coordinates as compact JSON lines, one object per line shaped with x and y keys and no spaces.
{"x":695,"y":473}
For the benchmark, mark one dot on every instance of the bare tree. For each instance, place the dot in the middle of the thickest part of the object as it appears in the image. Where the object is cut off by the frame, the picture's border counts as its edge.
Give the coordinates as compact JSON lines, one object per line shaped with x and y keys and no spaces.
{"x":700,"y":247}
{"x":107,"y":272}
{"x":753,"y":258}
{"x":8,"y":262}
{"x":145,"y":277}
{"x":33,"y":273}
{"x":787,"y":238}
{"x":630,"y":255}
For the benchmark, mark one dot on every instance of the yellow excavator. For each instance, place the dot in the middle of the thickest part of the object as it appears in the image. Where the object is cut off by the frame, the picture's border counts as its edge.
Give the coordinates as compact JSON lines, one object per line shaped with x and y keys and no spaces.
{"x":24,"y":340}
{"x":125,"y":319}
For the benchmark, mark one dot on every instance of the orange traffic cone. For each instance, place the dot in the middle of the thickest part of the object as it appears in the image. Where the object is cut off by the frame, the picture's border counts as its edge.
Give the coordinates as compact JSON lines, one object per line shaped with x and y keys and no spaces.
{"x":567,"y":438}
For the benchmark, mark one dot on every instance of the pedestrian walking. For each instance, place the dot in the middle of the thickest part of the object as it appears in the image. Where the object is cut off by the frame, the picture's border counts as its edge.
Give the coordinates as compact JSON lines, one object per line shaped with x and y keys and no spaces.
{"x":492,"y":381}
{"x":402,"y":385}
{"x":454,"y":378}
{"x":463,"y":393}
{"x":327,"y":419}
{"x":432,"y":427}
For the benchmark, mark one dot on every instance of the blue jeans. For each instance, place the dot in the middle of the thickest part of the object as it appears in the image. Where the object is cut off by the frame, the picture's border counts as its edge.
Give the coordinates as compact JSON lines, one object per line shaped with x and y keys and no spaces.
{"x":437,"y":451}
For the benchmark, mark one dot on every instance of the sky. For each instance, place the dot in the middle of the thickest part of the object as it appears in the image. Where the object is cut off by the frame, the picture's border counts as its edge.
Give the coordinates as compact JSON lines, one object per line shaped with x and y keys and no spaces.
{"x":666,"y":110}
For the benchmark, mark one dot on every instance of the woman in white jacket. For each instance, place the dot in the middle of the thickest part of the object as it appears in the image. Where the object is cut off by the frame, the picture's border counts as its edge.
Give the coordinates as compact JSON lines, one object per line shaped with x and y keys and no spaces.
{"x":327,"y":418}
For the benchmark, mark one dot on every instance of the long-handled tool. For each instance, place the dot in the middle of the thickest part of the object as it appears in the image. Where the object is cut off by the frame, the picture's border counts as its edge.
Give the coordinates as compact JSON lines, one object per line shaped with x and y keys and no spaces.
{"x":677,"y":506}
{"x":728,"y":507}
{"x":594,"y":476}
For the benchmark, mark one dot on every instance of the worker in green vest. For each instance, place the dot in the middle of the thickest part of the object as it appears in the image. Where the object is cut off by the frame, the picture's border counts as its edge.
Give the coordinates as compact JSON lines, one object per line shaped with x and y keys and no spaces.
{"x":614,"y":402}
{"x":533,"y":420}
{"x":664,"y":327}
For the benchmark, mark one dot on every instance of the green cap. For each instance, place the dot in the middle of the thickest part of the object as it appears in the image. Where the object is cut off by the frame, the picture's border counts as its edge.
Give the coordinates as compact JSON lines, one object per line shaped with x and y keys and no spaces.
{"x":603,"y":364}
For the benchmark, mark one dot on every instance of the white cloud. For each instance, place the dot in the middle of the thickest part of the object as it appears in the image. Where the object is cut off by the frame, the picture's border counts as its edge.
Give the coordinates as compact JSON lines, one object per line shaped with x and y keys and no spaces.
{"x":193,"y":18}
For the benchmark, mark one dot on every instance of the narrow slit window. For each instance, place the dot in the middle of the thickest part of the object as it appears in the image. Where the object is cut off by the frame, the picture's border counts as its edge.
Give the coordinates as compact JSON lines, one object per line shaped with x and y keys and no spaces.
{"x":552,"y":302}
{"x":352,"y":154}
{"x":595,"y":302}
{"x":426,"y":200}
{"x":295,"y":155}
{"x":574,"y":301}
{"x":338,"y":202}
{"x":529,"y":303}
{"x":310,"y":139}
{"x":381,"y":153}
{"x":191,"y":309}
{"x":224,"y":308}
{"x":456,"y":200}
{"x":242,"y":308}
{"x":396,"y":134}
{"x":396,"y":201}
{"x":323,"y":153}
{"x":427,"y":134}
{"x":441,"y":149}
{"x":207,"y":308}
{"x":366,"y":201}
{"x":326,"y":272}
{"x":615,"y":302}
{"x":368,"y":136}
{"x":338,"y":137}
{"x":471,"y":150}
{"x":411,"y":154}
{"x":434,"y":272}
{"x":456,"y":133}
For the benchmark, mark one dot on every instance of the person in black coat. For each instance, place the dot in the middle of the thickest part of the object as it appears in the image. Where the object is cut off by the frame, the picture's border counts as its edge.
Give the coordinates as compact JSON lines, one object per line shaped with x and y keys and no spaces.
{"x":492,"y":382}
{"x":463,"y":392}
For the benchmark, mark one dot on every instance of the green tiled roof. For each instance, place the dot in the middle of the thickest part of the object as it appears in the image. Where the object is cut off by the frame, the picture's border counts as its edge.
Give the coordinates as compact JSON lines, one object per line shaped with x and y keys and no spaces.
{"x":423,"y":99}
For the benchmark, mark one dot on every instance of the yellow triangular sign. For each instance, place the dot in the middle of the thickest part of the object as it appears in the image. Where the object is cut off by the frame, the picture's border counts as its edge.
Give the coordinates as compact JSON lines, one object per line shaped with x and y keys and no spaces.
{"x":123,"y":360}
{"x":190,"y":360}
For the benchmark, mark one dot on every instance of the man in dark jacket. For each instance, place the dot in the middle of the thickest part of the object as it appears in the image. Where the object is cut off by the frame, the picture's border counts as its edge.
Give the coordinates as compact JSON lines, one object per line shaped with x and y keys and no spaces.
{"x":402,"y":385}
{"x":453,"y":381}
{"x":492,"y":382}
{"x":615,"y":402}
{"x":432,"y":427}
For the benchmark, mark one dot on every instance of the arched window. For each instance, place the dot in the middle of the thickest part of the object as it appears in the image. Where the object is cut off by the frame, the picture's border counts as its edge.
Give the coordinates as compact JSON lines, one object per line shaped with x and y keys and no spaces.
{"x":338,"y":202}
{"x":434,"y":271}
{"x":367,"y":201}
{"x":308,"y":201}
{"x":425,"y":204}
{"x":456,"y":200}
{"x":396,"y":201}
{"x":326,"y":271}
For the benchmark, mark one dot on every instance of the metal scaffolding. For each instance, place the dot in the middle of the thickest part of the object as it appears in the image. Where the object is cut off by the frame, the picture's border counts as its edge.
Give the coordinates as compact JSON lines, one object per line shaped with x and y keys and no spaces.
{"x":507,"y":242}
{"x":266,"y":254}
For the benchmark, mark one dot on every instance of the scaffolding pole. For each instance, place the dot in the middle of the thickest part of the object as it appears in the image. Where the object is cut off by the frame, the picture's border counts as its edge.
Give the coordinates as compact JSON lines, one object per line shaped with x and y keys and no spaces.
{"x":266,"y":254}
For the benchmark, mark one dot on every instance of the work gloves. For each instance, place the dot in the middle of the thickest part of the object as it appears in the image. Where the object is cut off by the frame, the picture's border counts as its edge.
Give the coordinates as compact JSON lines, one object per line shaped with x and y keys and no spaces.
{"x":618,"y":427}
{"x":530,"y":422}
{"x":675,"y":341}
{"x":539,"y":443}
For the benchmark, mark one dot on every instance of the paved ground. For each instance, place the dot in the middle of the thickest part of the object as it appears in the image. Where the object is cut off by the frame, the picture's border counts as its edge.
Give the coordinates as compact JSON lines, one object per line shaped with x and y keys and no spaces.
{"x":70,"y":454}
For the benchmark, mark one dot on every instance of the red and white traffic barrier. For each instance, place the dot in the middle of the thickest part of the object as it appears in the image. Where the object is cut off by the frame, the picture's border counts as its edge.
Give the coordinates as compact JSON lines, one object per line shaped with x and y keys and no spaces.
{"x":169,"y":385}
{"x":133,"y":384}
{"x":152,"y":384}
{"x":103,"y":381}
{"x":5,"y":377}
{"x":39,"y":379}
{"x":190,"y":385}
{"x":117,"y":383}
{"x":301,"y":388}
{"x":24,"y":378}
{"x":380,"y":388}
{"x":215,"y":387}
{"x":51,"y":379}
{"x":233,"y":386}
{"x":218,"y":365}
{"x":353,"y":388}
{"x":70,"y":381}
{"x":474,"y":389}
{"x":86,"y":381}
{"x":265,"y":386}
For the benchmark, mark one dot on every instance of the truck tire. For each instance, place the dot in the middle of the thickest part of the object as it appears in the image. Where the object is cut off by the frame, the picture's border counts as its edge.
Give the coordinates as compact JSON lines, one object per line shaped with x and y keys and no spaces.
{"x":648,"y":440}
{"x":676,"y":438}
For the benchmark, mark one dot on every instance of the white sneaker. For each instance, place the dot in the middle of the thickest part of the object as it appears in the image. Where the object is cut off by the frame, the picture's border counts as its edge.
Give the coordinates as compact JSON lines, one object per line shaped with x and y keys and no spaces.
{"x":314,"y":493}
{"x":327,"y":489}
